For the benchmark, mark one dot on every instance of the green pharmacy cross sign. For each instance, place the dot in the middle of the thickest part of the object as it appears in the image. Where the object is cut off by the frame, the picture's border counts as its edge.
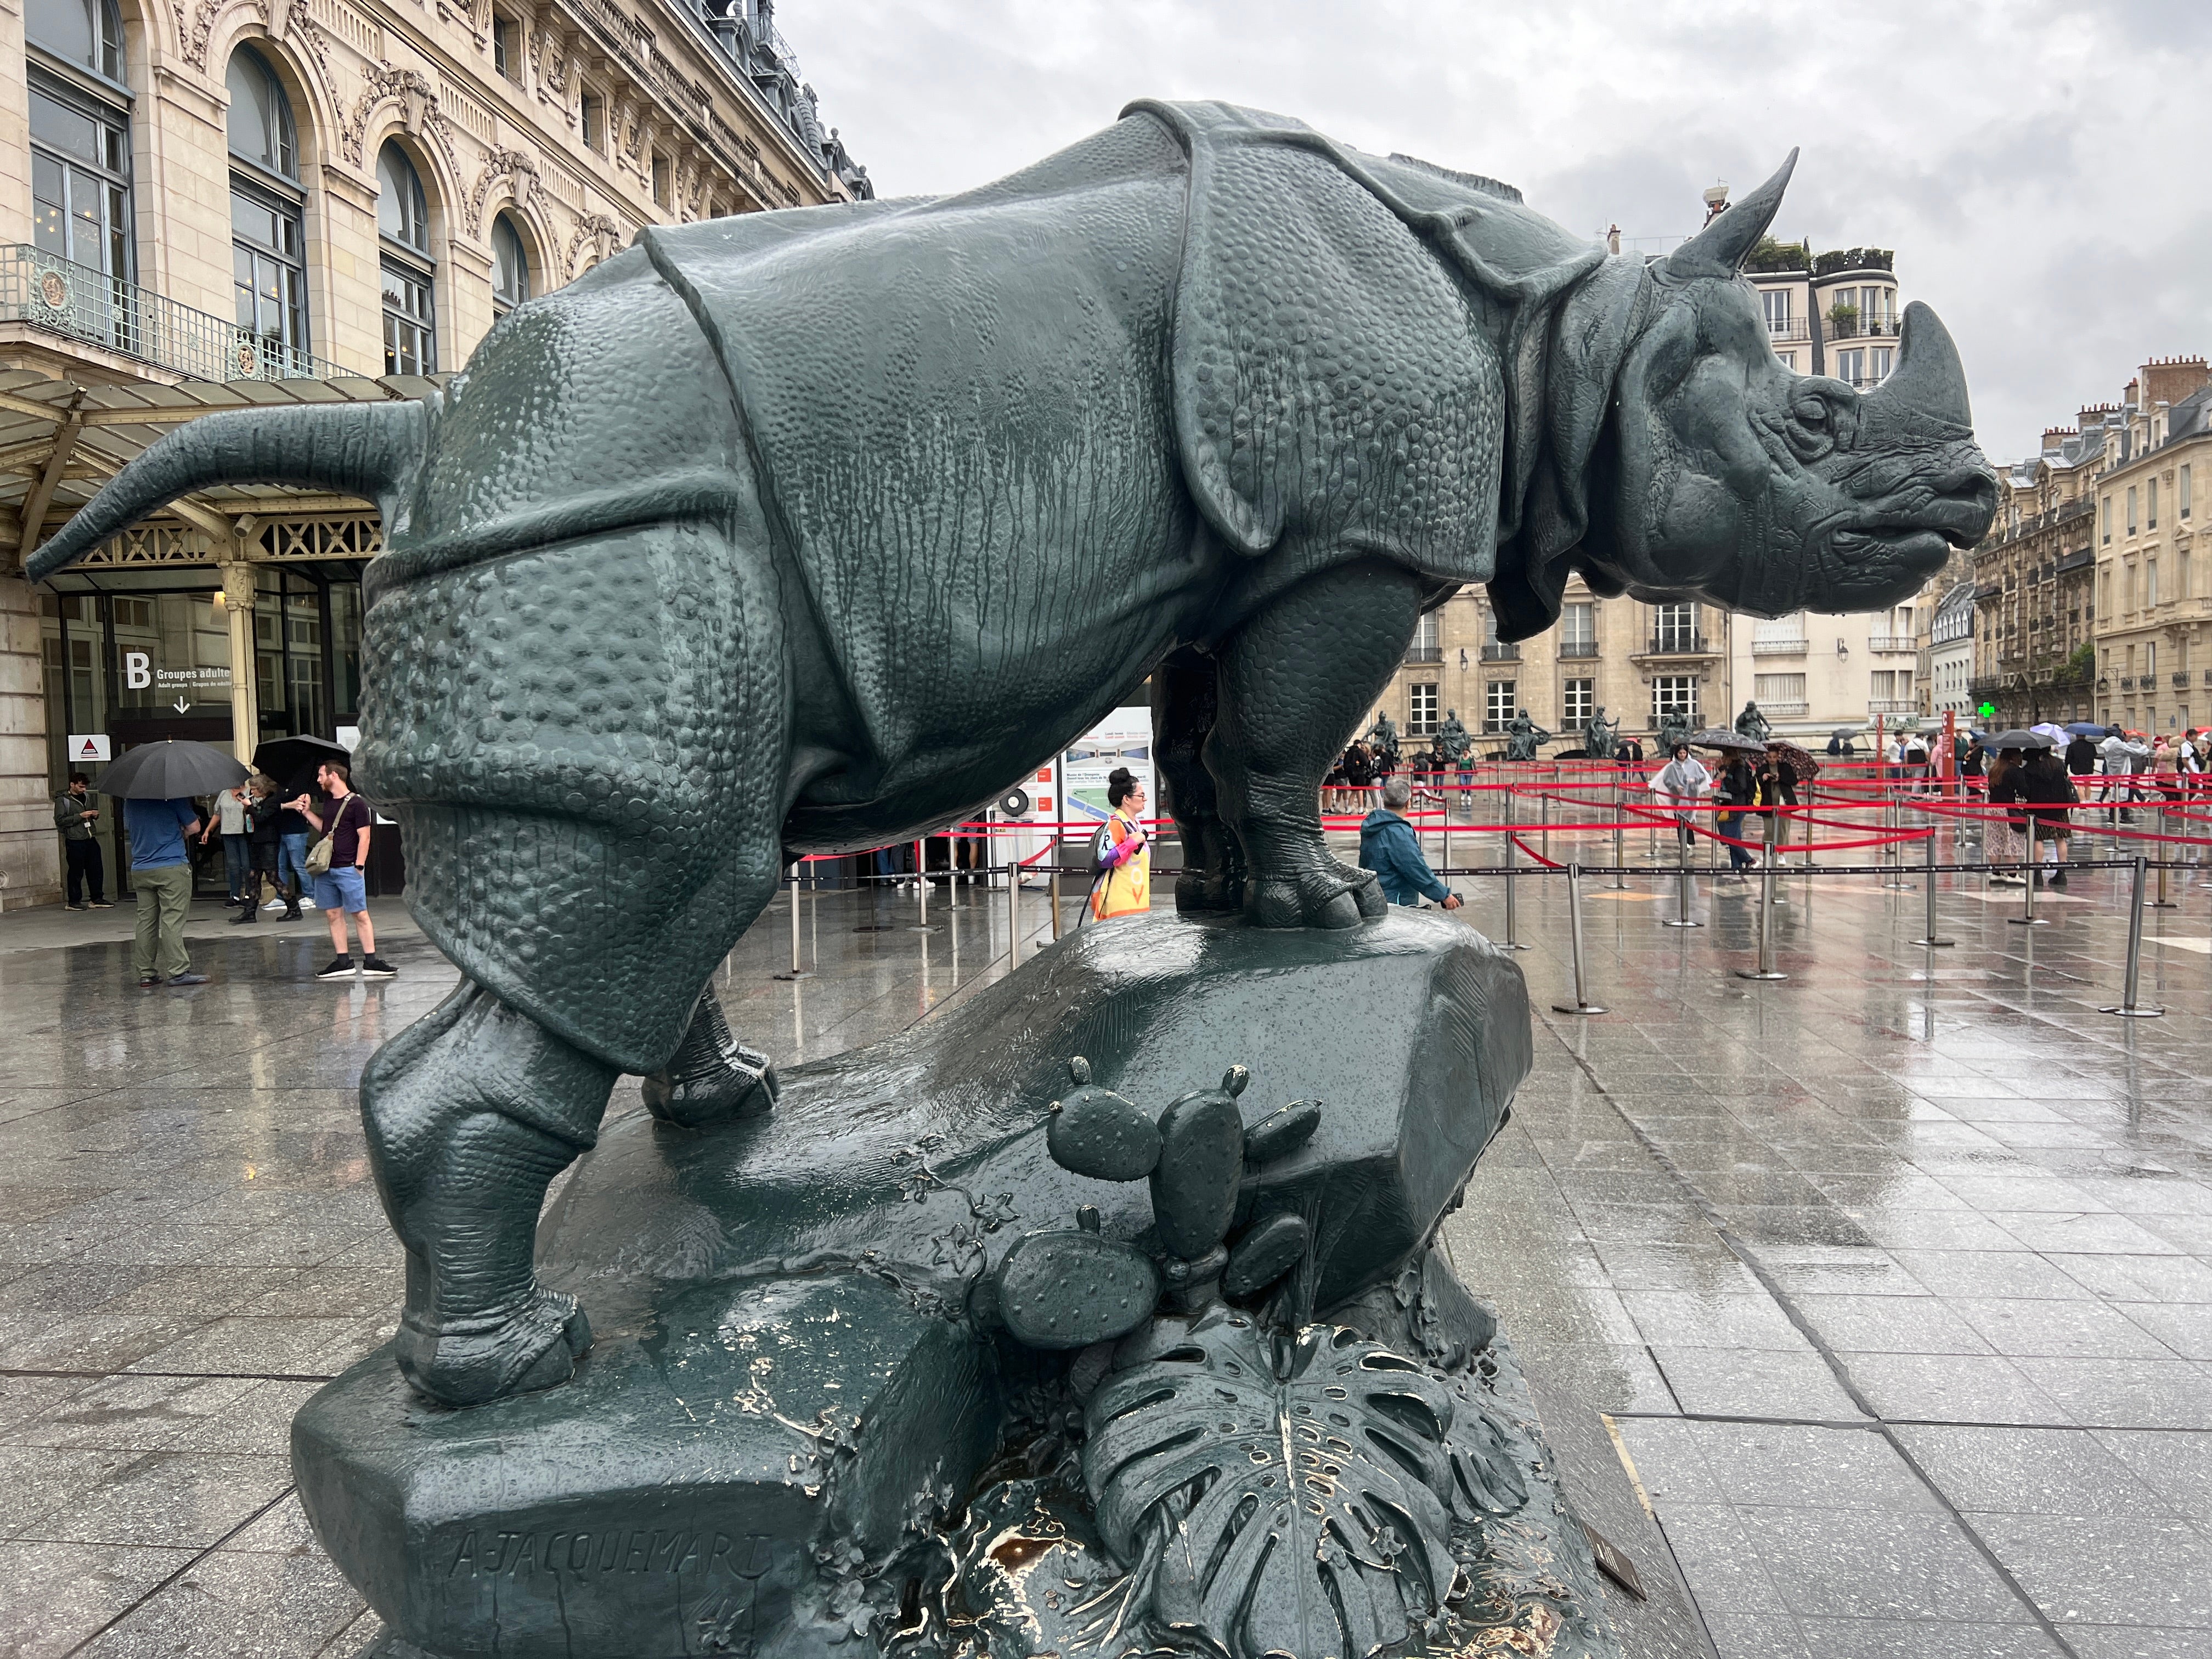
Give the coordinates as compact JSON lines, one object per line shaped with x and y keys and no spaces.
{"x":1987,"y":711}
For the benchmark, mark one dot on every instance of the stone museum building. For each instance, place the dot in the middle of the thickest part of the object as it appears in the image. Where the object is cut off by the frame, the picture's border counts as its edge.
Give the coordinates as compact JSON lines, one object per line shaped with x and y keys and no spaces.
{"x":207,"y":207}
{"x":1835,"y":313}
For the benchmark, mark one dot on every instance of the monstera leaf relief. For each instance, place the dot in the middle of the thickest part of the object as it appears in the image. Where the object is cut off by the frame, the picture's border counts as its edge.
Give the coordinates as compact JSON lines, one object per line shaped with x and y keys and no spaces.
{"x":1273,"y":1492}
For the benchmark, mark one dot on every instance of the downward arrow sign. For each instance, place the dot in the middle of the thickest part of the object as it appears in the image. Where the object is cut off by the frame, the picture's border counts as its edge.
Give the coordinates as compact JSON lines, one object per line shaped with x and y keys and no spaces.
{"x":181,"y":705}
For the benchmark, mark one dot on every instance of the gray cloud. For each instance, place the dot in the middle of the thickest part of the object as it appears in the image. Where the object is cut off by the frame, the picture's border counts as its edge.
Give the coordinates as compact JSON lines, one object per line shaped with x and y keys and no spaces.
{"x":2026,"y":158}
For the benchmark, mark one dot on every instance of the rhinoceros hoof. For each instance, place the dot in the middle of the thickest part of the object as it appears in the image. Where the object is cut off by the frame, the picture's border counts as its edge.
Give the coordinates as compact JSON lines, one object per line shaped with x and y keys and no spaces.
{"x":1313,"y":900}
{"x":701,"y":1099}
{"x":476,"y":1363}
{"x":1198,"y":892}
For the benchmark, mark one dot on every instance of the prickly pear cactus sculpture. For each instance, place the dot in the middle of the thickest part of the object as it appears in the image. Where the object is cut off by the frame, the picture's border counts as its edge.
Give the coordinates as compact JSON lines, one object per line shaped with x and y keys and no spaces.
{"x":1202,"y":1467}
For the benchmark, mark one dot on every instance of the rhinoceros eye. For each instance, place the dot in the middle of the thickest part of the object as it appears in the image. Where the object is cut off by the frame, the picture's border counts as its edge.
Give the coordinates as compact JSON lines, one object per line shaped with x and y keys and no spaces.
{"x":1811,"y":412}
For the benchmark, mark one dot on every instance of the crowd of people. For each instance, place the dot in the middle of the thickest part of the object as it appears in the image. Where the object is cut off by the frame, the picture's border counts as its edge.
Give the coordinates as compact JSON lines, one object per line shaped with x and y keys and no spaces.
{"x":260,"y":833}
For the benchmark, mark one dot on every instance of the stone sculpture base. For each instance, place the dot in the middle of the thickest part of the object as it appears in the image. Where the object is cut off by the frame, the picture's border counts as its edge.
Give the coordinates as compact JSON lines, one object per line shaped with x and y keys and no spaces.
{"x":798,"y":1410}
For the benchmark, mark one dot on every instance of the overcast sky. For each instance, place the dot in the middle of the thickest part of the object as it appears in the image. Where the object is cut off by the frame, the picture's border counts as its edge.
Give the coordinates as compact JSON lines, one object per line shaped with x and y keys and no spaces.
{"x":2038,"y":166}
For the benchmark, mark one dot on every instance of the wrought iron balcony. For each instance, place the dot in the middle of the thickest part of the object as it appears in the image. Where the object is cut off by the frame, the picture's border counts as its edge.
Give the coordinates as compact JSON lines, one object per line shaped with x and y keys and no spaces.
{"x":1892,"y":706}
{"x":2182,"y":677}
{"x":1498,"y":653}
{"x":1578,"y":648}
{"x":1892,"y":642}
{"x":1419,"y":654}
{"x":1677,"y":645}
{"x":1794,"y":647}
{"x":1882,"y":327}
{"x":79,"y":303}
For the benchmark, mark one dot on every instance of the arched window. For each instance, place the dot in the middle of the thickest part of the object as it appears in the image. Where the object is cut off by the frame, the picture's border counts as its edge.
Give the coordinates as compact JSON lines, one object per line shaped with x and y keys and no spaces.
{"x":510,"y":267}
{"x":403,"y":224}
{"x":80,"y":136}
{"x":268,"y":234}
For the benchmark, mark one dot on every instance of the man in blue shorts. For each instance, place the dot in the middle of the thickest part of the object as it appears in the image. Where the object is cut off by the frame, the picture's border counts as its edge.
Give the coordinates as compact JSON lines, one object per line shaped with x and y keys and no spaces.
{"x":341,"y":891}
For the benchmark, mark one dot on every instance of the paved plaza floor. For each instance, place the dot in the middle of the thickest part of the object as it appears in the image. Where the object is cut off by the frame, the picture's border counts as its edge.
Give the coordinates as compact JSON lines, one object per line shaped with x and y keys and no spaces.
{"x":1893,"y":1277}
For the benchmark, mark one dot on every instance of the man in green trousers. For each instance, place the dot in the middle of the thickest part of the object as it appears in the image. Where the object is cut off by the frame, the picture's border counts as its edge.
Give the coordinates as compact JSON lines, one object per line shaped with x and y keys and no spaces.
{"x":162,"y":871}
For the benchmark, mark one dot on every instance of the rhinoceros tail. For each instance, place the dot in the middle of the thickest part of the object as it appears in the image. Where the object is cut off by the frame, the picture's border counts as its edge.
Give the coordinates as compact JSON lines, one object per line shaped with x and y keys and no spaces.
{"x":369,"y":450}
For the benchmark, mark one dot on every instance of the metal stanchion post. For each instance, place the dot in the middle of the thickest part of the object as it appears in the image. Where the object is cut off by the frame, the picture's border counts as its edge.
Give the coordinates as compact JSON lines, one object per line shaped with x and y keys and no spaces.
{"x":2128,"y":1008}
{"x":1013,"y":910}
{"x":1766,"y":969}
{"x":1928,"y":936}
{"x":1512,"y":881}
{"x":1543,"y":811}
{"x":797,"y":968}
{"x":1581,"y":1004}
{"x":2028,"y":918}
{"x":1682,"y":892}
{"x":1052,"y":884}
{"x":2165,"y":829}
{"x":1619,"y":877}
{"x":1892,"y":852}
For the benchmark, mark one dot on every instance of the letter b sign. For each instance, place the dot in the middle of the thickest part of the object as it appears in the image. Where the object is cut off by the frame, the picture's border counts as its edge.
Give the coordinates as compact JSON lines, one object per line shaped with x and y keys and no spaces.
{"x":138,"y":670}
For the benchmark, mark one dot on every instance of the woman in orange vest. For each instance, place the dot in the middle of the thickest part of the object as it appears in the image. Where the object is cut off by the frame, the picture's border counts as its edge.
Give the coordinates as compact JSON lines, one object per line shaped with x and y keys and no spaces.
{"x":1125,"y":884}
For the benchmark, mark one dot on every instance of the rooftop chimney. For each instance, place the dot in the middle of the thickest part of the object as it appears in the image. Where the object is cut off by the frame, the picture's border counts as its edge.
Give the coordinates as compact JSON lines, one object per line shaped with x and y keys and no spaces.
{"x":2169,"y":380}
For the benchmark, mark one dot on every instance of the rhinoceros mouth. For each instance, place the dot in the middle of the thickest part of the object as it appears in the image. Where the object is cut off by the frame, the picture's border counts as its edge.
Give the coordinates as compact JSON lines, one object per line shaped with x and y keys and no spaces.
{"x":1914,"y":546}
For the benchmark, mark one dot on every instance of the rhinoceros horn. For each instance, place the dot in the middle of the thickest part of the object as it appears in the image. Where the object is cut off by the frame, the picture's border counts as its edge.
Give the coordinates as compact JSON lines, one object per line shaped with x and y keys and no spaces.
{"x":369,"y":450}
{"x":1930,"y":382}
{"x":1720,"y":249}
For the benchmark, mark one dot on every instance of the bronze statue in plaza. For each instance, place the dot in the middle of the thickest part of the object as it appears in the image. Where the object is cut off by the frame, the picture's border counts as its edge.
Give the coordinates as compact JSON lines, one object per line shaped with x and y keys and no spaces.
{"x":810,"y":530}
{"x":1523,"y":736}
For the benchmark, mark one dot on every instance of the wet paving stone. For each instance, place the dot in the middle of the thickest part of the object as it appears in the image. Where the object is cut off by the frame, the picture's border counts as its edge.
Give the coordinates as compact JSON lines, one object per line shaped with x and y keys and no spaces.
{"x":1898,"y":1290}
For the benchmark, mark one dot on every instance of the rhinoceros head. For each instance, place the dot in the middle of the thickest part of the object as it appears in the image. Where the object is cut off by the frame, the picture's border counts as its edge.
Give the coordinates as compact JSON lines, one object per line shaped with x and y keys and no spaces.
{"x":1732,"y":479}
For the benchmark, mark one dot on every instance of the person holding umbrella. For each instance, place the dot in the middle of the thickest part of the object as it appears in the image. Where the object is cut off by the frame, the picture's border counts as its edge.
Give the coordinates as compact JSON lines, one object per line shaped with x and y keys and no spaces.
{"x":156,"y":782}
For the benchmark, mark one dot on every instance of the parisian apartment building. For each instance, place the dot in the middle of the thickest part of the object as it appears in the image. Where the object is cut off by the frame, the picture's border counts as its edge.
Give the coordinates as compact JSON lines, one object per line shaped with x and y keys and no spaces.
{"x":2089,"y":601}
{"x":1834,"y":314}
{"x":243,"y":202}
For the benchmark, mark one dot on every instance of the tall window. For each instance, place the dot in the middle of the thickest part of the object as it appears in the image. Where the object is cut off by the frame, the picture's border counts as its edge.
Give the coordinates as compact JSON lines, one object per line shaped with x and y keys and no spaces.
{"x":1576,"y":699}
{"x":2150,"y":505}
{"x":1851,"y":366}
{"x":403,"y":224}
{"x":268,"y":245}
{"x":2150,"y":582}
{"x":1578,"y":630}
{"x":2108,"y":517}
{"x":1497,"y":704}
{"x":510,"y":270}
{"x":1675,"y":695}
{"x":1775,"y":302}
{"x":80,"y":136}
{"x":2186,"y":503}
{"x":1878,"y":361}
{"x":2131,"y":509}
{"x":506,"y":46}
{"x":1674,"y":628}
{"x":592,"y":109}
{"x":1421,"y":710}
{"x":1776,"y":692}
{"x":1784,"y":631}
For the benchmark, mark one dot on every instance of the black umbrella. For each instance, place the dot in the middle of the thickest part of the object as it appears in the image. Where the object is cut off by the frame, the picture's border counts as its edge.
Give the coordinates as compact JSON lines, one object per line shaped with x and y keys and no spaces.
{"x":1845,"y":733}
{"x":1714,"y":737}
{"x":171,"y":768}
{"x":2020,"y":740}
{"x":292,"y":761}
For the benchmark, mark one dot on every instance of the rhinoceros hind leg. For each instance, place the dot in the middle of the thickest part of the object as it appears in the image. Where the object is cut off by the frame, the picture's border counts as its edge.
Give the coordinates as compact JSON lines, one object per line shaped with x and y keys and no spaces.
{"x":470,"y":1112}
{"x":1186,"y":700}
{"x":1296,"y":683}
{"x":712,"y":1077}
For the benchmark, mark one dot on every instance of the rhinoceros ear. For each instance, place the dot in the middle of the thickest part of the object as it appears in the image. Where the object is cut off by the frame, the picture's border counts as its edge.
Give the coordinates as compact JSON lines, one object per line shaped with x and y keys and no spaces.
{"x":1720,"y":249}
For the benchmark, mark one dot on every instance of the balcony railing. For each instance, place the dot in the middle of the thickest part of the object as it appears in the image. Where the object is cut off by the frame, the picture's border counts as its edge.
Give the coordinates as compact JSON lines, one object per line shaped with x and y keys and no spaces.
{"x":1778,"y":648}
{"x":1794,"y":331}
{"x":1677,"y":645}
{"x":1892,"y":642}
{"x":82,"y":304}
{"x":1496,"y":652}
{"x":1578,"y":648}
{"x":1862,"y":328}
{"x":1425,"y":654}
{"x":1892,"y":706}
{"x":2182,"y":678}
{"x":1786,"y":711}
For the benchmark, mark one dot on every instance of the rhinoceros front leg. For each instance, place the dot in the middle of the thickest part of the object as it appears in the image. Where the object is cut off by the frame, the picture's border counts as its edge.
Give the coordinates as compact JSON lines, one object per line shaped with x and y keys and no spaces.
{"x":1186,"y":701}
{"x":470,"y":1112}
{"x":1296,"y":683}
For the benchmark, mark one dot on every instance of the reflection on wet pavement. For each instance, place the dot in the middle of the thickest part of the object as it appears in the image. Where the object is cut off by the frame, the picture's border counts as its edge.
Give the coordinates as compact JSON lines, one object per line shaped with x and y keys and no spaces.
{"x":1896,"y":1278}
